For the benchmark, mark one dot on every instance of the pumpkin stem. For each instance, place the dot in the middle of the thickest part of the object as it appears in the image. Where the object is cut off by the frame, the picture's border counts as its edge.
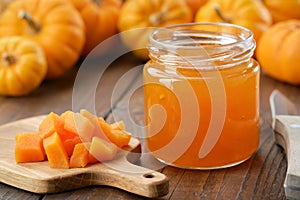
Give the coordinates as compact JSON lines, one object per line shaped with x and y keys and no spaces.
{"x":157,"y":18}
{"x":8,"y":59}
{"x":24,"y":15}
{"x":220,"y":14}
{"x":98,"y":2}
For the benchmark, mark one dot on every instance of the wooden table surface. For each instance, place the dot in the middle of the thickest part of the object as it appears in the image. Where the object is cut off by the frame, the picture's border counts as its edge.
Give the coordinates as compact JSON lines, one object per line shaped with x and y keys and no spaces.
{"x":260,"y":177}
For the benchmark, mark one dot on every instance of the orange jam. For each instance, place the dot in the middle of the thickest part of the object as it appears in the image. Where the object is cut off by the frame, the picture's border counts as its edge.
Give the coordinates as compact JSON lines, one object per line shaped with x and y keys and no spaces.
{"x":201,"y":90}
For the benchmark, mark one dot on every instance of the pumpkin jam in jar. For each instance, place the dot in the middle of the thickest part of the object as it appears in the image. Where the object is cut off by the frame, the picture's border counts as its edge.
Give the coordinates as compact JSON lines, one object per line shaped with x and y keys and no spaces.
{"x":201,"y":90}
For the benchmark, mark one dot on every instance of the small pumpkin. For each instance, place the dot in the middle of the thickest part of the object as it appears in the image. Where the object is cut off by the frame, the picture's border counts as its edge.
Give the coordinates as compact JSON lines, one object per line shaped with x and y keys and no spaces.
{"x":56,"y":25}
{"x":278,"y":51}
{"x":283,"y":10}
{"x":100,"y":18}
{"x":137,"y":15}
{"x":251,"y":14}
{"x":195,"y":4}
{"x":23,"y":66}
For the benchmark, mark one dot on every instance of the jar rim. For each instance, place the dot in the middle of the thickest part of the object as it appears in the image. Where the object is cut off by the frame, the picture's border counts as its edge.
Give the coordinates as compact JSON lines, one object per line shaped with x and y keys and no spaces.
{"x":249,"y":36}
{"x":216,"y":42}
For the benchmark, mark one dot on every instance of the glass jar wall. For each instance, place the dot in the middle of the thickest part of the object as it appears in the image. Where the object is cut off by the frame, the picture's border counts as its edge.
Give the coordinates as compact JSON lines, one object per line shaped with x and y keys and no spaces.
{"x":201,"y":90}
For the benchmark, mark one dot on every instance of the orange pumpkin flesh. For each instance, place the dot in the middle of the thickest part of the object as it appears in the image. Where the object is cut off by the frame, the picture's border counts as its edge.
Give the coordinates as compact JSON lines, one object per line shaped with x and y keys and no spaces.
{"x":102,"y":150}
{"x":70,"y":143}
{"x":54,"y":123}
{"x":63,"y":140}
{"x":79,"y":125}
{"x":49,"y":125}
{"x":61,"y":35}
{"x":278,"y":51}
{"x":94,"y":120}
{"x":80,"y":156}
{"x":29,"y":148}
{"x":117,"y":136}
{"x":56,"y":153}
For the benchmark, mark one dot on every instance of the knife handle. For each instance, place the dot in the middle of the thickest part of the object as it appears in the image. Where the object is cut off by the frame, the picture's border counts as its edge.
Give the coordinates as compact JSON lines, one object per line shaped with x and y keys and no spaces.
{"x":287,"y":135}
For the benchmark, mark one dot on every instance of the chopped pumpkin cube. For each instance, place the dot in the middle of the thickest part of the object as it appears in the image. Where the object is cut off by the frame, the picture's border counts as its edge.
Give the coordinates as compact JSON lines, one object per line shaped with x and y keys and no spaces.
{"x":120,"y":138}
{"x":104,"y":126}
{"x":49,"y":125}
{"x":78,"y":124}
{"x":103,"y":150}
{"x":94,"y":120}
{"x":66,"y":114}
{"x":82,"y":137}
{"x":80,"y":156}
{"x":117,"y":136}
{"x":55,"y":151}
{"x":118,"y":125}
{"x":29,"y":147}
{"x":92,"y":159}
{"x":70,"y":143}
{"x":55,"y":123}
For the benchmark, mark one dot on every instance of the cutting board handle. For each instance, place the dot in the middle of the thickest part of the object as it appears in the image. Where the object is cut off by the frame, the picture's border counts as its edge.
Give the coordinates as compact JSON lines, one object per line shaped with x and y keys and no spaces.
{"x":132,"y":178}
{"x":287,"y":134}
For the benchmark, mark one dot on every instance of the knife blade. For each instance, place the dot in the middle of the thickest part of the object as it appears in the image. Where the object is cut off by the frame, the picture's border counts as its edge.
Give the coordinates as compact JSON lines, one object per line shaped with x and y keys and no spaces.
{"x":286,"y":127}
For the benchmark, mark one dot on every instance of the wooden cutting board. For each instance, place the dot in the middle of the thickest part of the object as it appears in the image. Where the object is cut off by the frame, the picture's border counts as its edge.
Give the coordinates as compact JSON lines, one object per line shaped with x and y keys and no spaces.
{"x":38,"y":177}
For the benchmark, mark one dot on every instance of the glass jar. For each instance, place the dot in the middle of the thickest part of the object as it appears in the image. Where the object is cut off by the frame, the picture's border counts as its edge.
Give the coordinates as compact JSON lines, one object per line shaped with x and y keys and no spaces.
{"x":201,"y":91}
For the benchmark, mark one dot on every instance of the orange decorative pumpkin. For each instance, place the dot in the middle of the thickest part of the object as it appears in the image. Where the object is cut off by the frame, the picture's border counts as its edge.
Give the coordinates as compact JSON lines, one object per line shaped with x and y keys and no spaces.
{"x":137,"y":15}
{"x":56,"y":25}
{"x":23,"y":66}
{"x":283,"y":9}
{"x":100,"y":18}
{"x":195,"y":4}
{"x":278,"y":51}
{"x":251,"y":14}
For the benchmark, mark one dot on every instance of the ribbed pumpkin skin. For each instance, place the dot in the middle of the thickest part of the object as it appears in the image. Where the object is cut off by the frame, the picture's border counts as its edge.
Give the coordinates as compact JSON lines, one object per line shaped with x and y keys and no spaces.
{"x":278,"y":51}
{"x":100,"y":18}
{"x":139,"y":17}
{"x":23,"y":66}
{"x":61,"y":30}
{"x":283,"y":9}
{"x":251,"y":14}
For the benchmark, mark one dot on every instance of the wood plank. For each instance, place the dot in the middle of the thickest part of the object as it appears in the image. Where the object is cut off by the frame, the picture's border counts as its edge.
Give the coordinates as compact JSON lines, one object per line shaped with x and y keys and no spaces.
{"x":8,"y":193}
{"x":56,"y":95}
{"x":95,"y":91}
{"x":94,"y":193}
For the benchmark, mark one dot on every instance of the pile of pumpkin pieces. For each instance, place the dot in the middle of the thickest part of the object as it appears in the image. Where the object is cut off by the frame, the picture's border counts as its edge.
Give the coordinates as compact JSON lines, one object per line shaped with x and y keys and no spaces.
{"x":71,"y":140}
